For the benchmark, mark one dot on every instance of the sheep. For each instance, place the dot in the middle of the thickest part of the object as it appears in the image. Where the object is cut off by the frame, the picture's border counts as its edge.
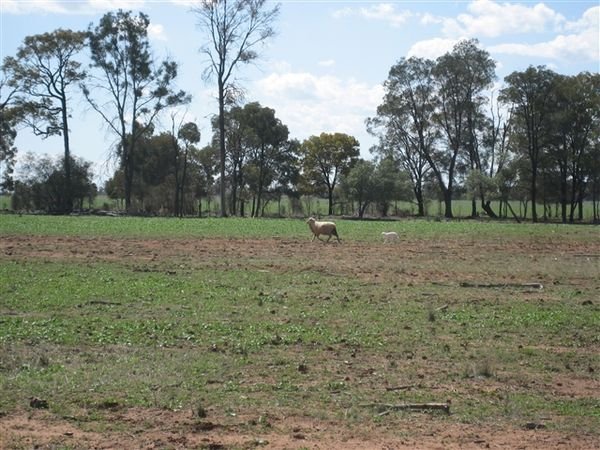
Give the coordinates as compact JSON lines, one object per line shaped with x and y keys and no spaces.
{"x":319,"y":228}
{"x":390,"y":236}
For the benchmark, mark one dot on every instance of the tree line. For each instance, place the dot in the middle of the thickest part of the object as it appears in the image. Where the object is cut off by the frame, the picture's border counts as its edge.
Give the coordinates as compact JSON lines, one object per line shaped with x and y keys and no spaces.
{"x":537,"y":139}
{"x":443,"y":131}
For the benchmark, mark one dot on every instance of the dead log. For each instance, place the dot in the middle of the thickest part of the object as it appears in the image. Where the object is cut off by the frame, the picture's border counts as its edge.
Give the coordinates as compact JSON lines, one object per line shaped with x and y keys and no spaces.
{"x":502,"y":285}
{"x":399,"y":388}
{"x":387,"y":407}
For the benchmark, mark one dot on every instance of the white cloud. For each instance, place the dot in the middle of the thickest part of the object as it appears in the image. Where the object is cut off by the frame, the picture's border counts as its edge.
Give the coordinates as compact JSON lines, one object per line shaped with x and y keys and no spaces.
{"x":157,"y":31}
{"x":110,"y":5}
{"x":583,"y":46}
{"x":486,"y":18}
{"x":428,"y":19}
{"x":589,"y":20}
{"x":187,"y":3}
{"x":432,"y":48}
{"x":383,"y":11}
{"x":67,"y":7}
{"x":327,"y":63}
{"x":310,"y":104}
{"x":27,"y":7}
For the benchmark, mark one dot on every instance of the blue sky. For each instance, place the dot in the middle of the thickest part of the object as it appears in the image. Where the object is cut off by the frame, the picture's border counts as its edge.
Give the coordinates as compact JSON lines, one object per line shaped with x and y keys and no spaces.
{"x":323,"y":71}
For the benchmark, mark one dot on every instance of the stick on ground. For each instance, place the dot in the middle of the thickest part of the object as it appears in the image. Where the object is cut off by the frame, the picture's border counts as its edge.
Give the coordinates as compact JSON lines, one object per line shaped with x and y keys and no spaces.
{"x":410,"y":406}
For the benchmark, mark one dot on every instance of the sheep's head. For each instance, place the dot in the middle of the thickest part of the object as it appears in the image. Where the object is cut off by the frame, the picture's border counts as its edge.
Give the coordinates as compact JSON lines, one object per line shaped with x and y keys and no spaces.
{"x":311,"y":220}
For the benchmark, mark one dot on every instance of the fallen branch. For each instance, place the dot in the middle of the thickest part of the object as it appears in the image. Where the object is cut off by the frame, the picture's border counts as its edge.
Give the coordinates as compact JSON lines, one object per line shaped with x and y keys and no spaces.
{"x":387,"y":407}
{"x":400,"y":388}
{"x":503,"y":285}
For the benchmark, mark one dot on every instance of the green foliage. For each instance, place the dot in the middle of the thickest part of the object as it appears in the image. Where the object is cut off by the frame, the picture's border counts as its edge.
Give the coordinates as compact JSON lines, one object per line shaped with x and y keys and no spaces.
{"x":326,"y":158}
{"x":44,"y":187}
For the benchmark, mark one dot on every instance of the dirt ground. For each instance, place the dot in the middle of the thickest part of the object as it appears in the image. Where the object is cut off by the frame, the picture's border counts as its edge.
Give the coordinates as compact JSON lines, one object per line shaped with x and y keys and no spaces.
{"x":163,"y":429}
{"x":160,"y":429}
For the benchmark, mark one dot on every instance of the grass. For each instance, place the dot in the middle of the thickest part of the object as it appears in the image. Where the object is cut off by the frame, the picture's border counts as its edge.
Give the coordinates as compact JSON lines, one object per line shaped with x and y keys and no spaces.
{"x":257,"y":329}
{"x":236,"y":227}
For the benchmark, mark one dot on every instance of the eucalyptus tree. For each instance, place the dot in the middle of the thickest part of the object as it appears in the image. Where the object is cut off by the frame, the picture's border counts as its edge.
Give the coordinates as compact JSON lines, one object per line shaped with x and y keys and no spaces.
{"x":9,"y":117}
{"x":266,"y":137}
{"x":404,"y":121}
{"x":208,"y":166}
{"x":183,"y":138}
{"x":530,"y":94}
{"x":236,"y":156}
{"x":43,"y":70}
{"x":286,"y":176}
{"x":42,"y":185}
{"x":127,"y":87}
{"x":461,"y":77}
{"x":575,"y":117}
{"x":360,"y":185}
{"x":327,"y":158}
{"x":234,"y":30}
{"x":392,"y":184}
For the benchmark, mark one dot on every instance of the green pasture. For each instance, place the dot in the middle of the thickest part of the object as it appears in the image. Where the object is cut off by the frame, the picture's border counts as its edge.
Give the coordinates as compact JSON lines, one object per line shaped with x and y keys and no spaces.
{"x":262,"y":228}
{"x":230,"y":336}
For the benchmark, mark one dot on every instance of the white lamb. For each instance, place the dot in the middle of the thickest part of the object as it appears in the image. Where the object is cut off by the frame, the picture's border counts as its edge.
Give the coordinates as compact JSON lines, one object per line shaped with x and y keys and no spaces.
{"x":319,"y":228}
{"x":390,"y":236}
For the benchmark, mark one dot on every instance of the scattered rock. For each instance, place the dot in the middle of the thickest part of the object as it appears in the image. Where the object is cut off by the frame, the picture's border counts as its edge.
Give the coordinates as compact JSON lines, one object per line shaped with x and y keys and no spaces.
{"x":534,"y":426}
{"x":204,"y":426}
{"x":38,"y":403}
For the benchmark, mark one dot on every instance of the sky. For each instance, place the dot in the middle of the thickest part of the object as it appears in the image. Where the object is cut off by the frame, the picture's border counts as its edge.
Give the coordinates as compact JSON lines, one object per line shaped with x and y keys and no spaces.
{"x":324,"y":69}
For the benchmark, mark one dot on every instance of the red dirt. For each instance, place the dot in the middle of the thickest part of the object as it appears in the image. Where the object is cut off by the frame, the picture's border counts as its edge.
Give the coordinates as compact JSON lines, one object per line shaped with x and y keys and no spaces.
{"x":158,"y":429}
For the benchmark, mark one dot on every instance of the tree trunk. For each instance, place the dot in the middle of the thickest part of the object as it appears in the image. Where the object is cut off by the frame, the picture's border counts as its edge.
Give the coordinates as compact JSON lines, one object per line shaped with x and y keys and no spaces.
{"x":128,"y":173}
{"x":68,"y":197}
{"x":448,"y":204}
{"x":222,"y":187}
{"x":563,"y":199}
{"x":534,"y":217}
{"x":183,"y":175}
{"x":176,"y":209}
{"x":420,"y":202}
{"x":486,"y":206}
{"x":234,"y":190}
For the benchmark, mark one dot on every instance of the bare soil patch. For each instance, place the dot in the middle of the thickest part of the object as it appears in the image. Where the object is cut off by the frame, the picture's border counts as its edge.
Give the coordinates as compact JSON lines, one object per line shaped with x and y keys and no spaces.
{"x":159,"y":429}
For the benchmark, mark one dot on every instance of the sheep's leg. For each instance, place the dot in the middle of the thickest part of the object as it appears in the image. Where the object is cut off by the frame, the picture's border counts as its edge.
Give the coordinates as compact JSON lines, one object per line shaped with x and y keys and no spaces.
{"x":313,"y":239}
{"x":329,"y":238}
{"x":336,"y":235}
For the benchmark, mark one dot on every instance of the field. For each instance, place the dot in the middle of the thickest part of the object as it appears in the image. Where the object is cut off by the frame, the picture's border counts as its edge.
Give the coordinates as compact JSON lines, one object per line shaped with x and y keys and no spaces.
{"x":241,"y":333}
